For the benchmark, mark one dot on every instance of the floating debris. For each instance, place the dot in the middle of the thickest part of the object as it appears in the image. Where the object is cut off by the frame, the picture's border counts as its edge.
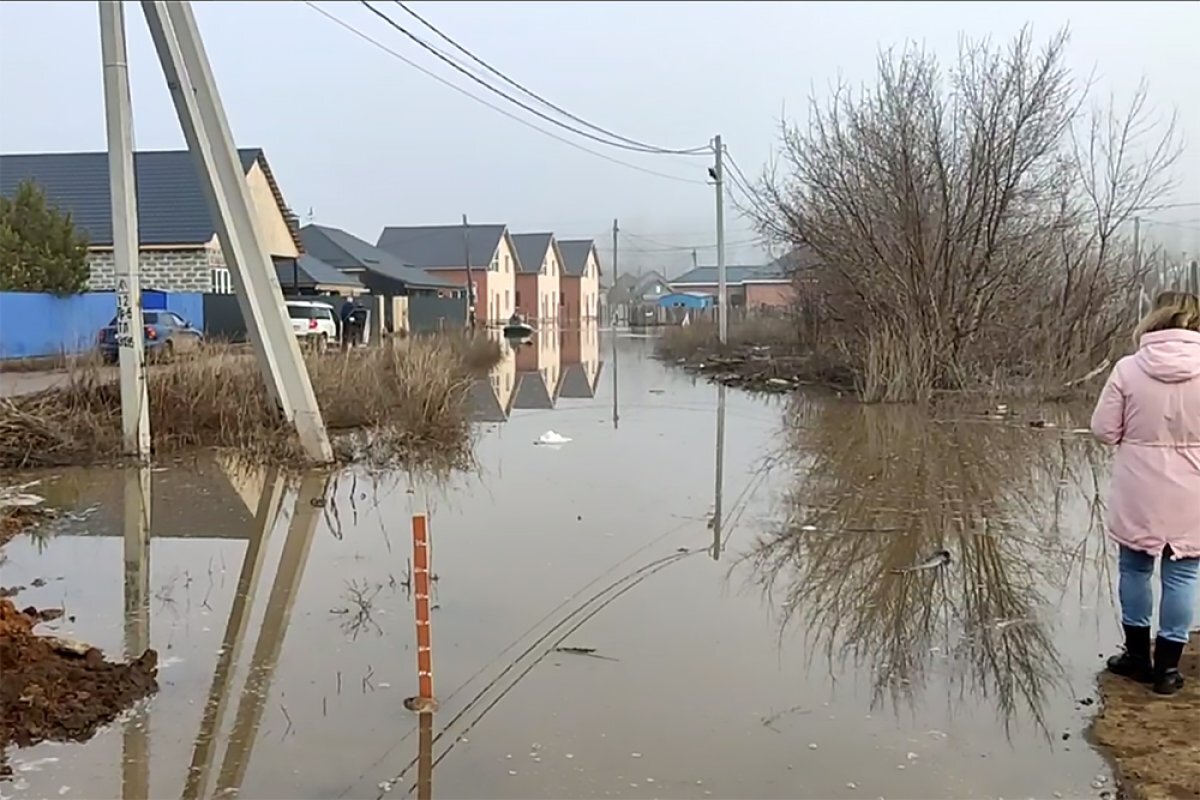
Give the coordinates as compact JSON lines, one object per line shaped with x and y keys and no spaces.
{"x":552,"y":438}
{"x":422,"y":705}
{"x":939,"y":559}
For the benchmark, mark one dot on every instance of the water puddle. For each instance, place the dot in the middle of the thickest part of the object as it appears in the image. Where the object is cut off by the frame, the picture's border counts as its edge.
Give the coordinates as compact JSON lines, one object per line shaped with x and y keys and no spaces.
{"x":701,"y":594}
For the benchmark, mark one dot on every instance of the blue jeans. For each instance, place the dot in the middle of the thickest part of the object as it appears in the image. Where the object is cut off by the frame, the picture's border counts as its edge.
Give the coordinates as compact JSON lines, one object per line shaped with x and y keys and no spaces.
{"x":1178,"y":592}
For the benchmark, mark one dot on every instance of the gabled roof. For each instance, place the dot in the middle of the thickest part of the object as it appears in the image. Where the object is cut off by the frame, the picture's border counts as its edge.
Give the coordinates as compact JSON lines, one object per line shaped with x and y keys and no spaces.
{"x":441,"y":246}
{"x":575,"y":254}
{"x":734,"y":274}
{"x":171,"y":205}
{"x":531,"y":250}
{"x":310,"y":272}
{"x":344,"y":251}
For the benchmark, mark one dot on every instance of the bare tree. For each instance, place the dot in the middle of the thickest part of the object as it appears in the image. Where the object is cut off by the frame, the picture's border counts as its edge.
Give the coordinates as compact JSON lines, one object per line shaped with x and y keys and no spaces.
{"x":962,"y":228}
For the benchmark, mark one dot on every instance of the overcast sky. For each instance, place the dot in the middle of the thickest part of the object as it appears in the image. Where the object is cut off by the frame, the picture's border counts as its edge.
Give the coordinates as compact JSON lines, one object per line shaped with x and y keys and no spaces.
{"x":364,"y":140}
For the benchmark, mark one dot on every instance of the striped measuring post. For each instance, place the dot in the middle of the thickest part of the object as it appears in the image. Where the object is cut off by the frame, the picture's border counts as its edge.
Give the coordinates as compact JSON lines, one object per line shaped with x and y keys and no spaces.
{"x":420,"y":529}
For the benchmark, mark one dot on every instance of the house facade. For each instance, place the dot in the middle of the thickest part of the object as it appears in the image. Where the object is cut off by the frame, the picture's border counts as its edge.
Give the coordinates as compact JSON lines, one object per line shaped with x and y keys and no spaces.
{"x":539,"y":294}
{"x":580,"y":282}
{"x":446,"y":252}
{"x":179,"y":249}
{"x":754,"y":286}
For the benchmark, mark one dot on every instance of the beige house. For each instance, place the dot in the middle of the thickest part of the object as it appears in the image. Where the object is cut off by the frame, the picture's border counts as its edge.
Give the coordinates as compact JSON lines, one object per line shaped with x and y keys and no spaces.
{"x":581,"y":280}
{"x":441,"y":250}
{"x":179,"y":247}
{"x":539,"y":294}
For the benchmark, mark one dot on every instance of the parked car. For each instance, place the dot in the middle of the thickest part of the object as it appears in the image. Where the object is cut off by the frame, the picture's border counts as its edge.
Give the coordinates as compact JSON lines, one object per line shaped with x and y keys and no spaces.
{"x":314,"y":322}
{"x":164,"y":334}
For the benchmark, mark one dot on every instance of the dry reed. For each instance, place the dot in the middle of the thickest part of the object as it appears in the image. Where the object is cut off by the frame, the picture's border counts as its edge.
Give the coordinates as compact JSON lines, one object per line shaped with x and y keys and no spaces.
{"x":398,"y":403}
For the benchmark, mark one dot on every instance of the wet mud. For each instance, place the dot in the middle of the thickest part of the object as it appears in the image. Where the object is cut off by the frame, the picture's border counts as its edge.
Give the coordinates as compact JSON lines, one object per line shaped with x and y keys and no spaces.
{"x":1152,"y":740}
{"x":59,"y":691}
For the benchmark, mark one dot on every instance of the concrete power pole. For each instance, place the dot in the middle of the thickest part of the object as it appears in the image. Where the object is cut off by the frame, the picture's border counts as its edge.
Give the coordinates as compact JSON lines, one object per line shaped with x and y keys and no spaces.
{"x":135,"y":417}
{"x":722,"y":291}
{"x":470,"y":280}
{"x":193,"y":89}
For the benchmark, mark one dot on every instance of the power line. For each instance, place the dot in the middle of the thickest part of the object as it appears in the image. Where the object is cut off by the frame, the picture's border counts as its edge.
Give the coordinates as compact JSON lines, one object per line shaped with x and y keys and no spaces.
{"x":643,"y":146}
{"x":405,"y":59}
{"x":444,"y":58}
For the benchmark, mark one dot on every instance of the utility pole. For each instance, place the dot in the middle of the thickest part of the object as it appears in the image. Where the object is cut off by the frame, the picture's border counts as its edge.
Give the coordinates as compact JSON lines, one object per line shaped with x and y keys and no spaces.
{"x":135,"y":417}
{"x":205,"y":128}
{"x":718,"y":174}
{"x":629,"y":304}
{"x":470,"y":280}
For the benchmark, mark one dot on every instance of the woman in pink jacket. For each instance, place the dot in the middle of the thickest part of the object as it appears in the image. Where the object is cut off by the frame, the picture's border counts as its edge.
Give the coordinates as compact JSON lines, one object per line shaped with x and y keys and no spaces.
{"x":1150,"y":409}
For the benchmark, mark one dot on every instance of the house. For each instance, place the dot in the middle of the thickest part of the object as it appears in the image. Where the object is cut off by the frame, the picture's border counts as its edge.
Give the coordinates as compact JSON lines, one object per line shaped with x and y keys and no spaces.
{"x":376,"y":269}
{"x":176,"y":232}
{"x":442,"y":250}
{"x":631,"y":291}
{"x":538,"y":372}
{"x":309,"y":276}
{"x":749,"y":286}
{"x":538,"y":286}
{"x":580,"y":279}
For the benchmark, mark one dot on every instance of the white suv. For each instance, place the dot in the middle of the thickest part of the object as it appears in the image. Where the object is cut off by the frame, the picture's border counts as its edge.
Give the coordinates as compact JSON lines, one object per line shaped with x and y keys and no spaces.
{"x":313,"y":322}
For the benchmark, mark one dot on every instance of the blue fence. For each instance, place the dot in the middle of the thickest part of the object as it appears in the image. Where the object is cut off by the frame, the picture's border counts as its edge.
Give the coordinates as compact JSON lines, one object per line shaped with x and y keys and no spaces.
{"x":33,"y":325}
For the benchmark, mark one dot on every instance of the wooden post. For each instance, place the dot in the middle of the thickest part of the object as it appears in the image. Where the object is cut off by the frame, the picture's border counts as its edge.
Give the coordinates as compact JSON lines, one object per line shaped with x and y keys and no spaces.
{"x":420,"y":530}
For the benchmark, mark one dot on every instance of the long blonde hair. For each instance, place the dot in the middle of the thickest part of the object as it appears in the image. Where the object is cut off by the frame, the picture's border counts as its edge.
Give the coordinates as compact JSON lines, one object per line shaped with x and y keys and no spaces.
{"x":1172,"y":310}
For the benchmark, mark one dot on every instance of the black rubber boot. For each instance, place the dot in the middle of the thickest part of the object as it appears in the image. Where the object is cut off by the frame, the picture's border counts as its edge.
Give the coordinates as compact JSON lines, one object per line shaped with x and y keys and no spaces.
{"x":1167,"y":679}
{"x":1134,"y":663}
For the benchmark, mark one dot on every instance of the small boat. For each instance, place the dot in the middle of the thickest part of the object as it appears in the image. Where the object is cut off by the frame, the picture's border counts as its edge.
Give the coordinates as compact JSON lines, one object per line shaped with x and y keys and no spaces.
{"x":517,"y":328}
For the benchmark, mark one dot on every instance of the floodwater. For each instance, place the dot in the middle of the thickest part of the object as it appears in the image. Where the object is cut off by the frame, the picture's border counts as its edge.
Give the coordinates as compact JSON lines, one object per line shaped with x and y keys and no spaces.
{"x":738,"y":564}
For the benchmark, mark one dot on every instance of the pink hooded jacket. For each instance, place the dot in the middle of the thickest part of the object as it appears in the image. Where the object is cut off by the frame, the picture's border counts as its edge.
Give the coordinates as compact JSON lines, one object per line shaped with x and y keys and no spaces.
{"x":1150,"y":409}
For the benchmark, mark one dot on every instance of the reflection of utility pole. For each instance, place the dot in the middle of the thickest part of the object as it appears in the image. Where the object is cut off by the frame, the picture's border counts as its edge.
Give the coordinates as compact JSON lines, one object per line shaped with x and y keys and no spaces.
{"x":211,"y":723}
{"x":131,"y":351}
{"x":695,"y":260}
{"x":470,"y":281}
{"x":719,"y":497}
{"x":616,"y":416}
{"x":135,"y":763}
{"x":206,"y":130}
{"x":276,"y":617}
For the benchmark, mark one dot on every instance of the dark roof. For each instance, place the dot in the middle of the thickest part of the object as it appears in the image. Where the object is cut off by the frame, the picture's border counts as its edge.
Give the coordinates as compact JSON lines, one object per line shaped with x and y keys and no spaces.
{"x":310,"y":272}
{"x":344,"y":251}
{"x":441,"y":246}
{"x":575,"y":253}
{"x":734,"y":274}
{"x":171,"y":205}
{"x":531,"y":249}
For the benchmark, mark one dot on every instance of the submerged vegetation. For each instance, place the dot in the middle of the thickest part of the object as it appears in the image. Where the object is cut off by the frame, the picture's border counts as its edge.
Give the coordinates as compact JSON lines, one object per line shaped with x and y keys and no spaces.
{"x":402,"y":402}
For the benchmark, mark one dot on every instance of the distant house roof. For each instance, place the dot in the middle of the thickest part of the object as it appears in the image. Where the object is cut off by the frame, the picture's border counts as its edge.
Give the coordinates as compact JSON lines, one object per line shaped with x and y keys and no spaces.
{"x":575,"y":254}
{"x":171,"y":205}
{"x":441,"y":246}
{"x":531,"y":249}
{"x":734,"y":275}
{"x":344,"y":251}
{"x":309,"y":273}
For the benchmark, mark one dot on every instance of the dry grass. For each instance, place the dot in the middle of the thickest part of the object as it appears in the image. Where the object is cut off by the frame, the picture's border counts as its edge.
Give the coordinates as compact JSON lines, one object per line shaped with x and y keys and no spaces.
{"x":398,"y":403}
{"x":701,"y":338}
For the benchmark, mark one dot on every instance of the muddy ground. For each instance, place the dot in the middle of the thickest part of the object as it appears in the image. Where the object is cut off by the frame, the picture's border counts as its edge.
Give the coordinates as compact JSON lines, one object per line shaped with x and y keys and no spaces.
{"x":1151,"y":739}
{"x":54,"y":689}
{"x":756,"y":368}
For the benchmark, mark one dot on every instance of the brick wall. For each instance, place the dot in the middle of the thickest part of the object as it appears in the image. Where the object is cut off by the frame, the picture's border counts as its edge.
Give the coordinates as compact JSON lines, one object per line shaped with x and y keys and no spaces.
{"x":168,"y":270}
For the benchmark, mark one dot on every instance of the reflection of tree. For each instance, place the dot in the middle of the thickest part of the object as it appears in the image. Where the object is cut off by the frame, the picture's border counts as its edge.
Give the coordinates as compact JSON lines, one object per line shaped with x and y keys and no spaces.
{"x":880,"y":489}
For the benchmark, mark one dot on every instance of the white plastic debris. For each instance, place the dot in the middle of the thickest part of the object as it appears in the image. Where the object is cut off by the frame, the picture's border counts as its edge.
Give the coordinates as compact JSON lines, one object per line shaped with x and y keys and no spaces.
{"x":552,"y":437}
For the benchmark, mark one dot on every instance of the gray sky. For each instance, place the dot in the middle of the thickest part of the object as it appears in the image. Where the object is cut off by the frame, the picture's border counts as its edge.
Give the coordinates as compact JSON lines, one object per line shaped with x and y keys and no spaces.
{"x":365,"y":140}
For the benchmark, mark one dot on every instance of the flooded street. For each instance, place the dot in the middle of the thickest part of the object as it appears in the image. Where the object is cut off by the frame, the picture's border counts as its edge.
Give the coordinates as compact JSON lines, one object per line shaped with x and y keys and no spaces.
{"x":609,"y":617}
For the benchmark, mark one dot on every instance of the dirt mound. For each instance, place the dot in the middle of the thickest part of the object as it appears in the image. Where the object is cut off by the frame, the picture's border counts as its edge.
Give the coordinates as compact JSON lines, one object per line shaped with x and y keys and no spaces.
{"x":1153,"y":739}
{"x":54,"y":690}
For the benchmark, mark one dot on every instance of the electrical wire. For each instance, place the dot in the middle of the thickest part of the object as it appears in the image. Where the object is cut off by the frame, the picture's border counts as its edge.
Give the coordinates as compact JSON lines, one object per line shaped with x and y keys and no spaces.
{"x":692,"y":151}
{"x":446,"y":59}
{"x":405,"y":59}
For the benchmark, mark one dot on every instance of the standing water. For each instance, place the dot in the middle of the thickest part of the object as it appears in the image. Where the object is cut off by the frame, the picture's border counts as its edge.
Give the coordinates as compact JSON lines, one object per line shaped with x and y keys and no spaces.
{"x":868,"y":602}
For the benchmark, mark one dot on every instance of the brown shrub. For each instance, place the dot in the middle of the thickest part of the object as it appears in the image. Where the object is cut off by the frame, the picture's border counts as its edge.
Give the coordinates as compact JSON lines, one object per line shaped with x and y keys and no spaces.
{"x":402,"y":402}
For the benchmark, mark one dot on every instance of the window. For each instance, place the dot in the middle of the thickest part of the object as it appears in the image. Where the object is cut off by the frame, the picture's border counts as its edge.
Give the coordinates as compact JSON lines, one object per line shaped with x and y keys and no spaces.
{"x":518,"y":297}
{"x":221,"y":281}
{"x":507,"y":263}
{"x":506,"y":298}
{"x":495,"y":267}
{"x":562,"y":298}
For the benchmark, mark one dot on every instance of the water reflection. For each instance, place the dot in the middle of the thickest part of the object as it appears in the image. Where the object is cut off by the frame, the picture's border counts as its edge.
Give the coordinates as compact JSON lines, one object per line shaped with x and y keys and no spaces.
{"x":534,"y":374}
{"x":881,"y":489}
{"x":135,"y":762}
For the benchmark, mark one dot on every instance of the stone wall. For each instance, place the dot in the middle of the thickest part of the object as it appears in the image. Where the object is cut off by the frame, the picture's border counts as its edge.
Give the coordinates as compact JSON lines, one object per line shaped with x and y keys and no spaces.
{"x":166,"y":270}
